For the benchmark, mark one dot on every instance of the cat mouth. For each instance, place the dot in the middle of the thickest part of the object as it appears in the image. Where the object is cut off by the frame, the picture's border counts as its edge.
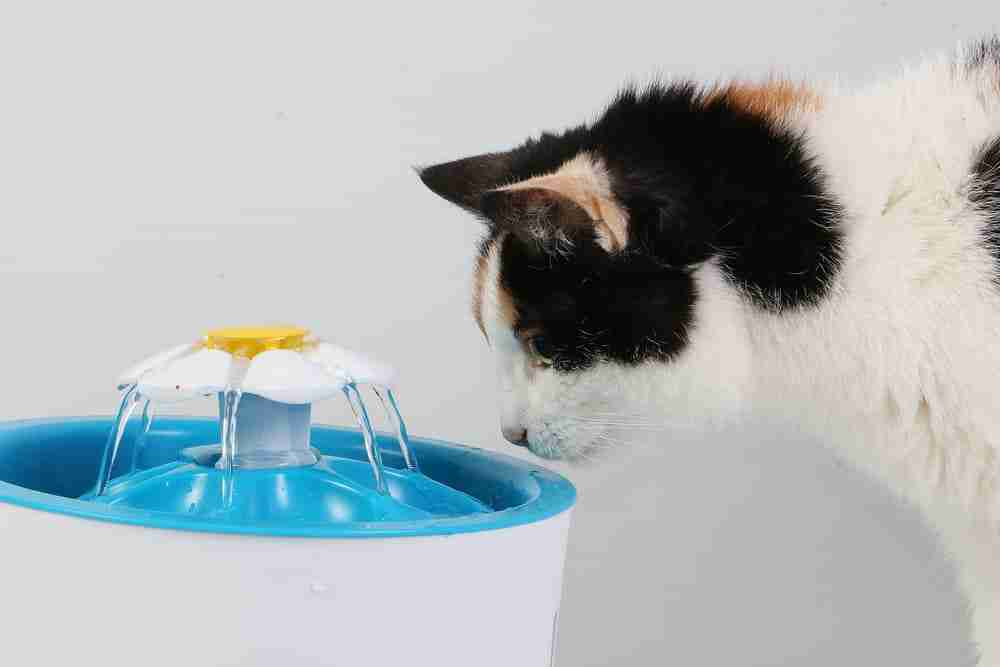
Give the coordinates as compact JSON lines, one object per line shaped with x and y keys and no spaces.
{"x":568,"y":448}
{"x":547,"y":452}
{"x":546,"y":444}
{"x":575,"y":442}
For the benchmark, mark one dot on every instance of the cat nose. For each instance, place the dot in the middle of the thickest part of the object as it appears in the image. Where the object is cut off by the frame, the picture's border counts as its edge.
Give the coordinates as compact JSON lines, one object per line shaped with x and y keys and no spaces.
{"x":515,"y":435}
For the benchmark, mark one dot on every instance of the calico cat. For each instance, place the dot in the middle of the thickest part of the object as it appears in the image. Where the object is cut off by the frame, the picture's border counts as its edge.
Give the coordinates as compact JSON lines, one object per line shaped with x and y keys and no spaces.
{"x":706,"y":251}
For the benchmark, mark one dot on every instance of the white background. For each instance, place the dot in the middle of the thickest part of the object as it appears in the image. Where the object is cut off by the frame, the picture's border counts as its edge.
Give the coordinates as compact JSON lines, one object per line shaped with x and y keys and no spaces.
{"x":166,"y":167}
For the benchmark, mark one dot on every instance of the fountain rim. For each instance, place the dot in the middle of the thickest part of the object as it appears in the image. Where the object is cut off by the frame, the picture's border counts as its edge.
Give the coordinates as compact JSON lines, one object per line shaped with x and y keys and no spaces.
{"x":556,"y":495}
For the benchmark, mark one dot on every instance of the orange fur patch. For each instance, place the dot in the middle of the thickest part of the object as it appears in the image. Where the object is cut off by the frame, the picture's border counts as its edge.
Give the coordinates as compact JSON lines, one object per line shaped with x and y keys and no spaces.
{"x":478,"y":282}
{"x":504,"y":300}
{"x":505,"y":306}
{"x":775,"y":99}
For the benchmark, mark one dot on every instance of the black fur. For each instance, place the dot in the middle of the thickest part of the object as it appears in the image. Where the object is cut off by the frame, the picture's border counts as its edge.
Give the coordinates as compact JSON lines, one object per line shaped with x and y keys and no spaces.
{"x":463,"y":181}
{"x":540,"y":217}
{"x":985,"y":52}
{"x":591,"y":304}
{"x":700,"y":180}
{"x":985,"y":195}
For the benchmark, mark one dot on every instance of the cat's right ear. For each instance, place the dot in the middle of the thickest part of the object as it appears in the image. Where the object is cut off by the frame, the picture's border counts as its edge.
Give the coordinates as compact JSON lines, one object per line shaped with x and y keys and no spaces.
{"x":464,"y":181}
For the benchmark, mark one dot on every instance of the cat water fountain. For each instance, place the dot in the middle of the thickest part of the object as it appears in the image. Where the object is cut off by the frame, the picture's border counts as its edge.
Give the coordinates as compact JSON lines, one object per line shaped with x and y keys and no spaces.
{"x":260,"y":539}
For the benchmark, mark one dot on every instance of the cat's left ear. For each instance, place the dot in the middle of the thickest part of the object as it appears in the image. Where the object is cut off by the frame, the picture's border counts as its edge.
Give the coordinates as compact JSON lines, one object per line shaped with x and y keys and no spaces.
{"x":464,"y":181}
{"x":576,"y":199}
{"x":542,"y":218}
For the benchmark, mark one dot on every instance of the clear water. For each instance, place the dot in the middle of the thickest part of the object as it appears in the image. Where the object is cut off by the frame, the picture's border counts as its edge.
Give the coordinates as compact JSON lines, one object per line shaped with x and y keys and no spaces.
{"x":371,"y":443}
{"x":129,"y":401}
{"x":148,"y":412}
{"x":229,"y":409}
{"x":388,"y":400}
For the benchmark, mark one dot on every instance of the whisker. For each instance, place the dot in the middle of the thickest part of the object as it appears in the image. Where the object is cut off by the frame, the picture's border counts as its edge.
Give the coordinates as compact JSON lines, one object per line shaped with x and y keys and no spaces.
{"x":649,"y":427}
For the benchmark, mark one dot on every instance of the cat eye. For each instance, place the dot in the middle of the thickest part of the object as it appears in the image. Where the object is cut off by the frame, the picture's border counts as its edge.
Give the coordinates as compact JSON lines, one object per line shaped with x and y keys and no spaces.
{"x":542,"y":349}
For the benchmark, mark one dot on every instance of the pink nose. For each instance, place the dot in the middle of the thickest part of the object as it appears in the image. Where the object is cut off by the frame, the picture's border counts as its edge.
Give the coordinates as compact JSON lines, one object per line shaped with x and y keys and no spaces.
{"x":515,"y":435}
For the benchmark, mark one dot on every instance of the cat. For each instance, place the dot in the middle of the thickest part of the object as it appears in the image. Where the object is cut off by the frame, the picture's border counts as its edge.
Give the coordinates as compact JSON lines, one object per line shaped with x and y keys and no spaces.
{"x":710,"y":251}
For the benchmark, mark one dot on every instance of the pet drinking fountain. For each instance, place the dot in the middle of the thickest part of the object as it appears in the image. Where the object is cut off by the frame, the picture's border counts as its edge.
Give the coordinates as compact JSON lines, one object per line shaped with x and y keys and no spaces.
{"x":260,"y":539}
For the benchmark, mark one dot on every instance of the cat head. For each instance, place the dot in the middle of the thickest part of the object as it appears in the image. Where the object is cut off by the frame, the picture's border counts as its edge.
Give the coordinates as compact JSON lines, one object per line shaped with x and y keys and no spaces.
{"x":612,"y":280}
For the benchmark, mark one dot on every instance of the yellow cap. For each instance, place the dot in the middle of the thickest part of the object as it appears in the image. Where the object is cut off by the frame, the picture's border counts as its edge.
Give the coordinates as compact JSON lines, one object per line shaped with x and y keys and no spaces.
{"x":250,"y":341}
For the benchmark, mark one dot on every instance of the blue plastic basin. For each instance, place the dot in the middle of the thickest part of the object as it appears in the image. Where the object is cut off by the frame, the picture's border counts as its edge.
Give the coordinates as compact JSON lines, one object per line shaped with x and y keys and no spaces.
{"x":47,"y":464}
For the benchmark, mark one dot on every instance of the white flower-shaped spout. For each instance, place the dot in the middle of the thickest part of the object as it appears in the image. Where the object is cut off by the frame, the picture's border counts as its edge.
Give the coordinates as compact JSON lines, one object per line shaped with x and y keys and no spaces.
{"x":267,"y":378}
{"x":277,"y":363}
{"x":350,"y":366}
{"x":201,"y":372}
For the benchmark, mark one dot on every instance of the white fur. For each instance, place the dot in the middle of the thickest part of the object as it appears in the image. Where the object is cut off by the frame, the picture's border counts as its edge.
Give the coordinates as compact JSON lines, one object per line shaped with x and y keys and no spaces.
{"x":898,"y":368}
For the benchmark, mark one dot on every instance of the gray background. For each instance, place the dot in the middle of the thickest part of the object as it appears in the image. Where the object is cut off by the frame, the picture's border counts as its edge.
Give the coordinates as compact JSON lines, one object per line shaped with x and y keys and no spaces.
{"x":169,"y":168}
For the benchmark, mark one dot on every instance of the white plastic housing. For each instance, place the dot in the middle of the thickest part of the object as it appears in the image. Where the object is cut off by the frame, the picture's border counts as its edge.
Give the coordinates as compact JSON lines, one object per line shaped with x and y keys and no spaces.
{"x":86,"y":592}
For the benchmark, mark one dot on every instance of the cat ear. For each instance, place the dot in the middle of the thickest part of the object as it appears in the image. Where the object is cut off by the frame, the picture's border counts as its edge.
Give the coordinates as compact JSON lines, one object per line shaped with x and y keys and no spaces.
{"x":541,"y":217}
{"x":464,"y":181}
{"x":554,"y":206}
{"x":576,"y":200}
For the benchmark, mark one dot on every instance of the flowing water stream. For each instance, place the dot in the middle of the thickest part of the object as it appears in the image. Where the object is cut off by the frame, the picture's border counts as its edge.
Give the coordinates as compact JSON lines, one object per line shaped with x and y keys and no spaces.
{"x":229,"y":414}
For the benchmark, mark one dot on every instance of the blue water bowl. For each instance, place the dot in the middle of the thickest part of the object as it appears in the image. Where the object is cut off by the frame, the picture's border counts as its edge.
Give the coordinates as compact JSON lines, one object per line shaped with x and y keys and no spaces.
{"x":51,"y":465}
